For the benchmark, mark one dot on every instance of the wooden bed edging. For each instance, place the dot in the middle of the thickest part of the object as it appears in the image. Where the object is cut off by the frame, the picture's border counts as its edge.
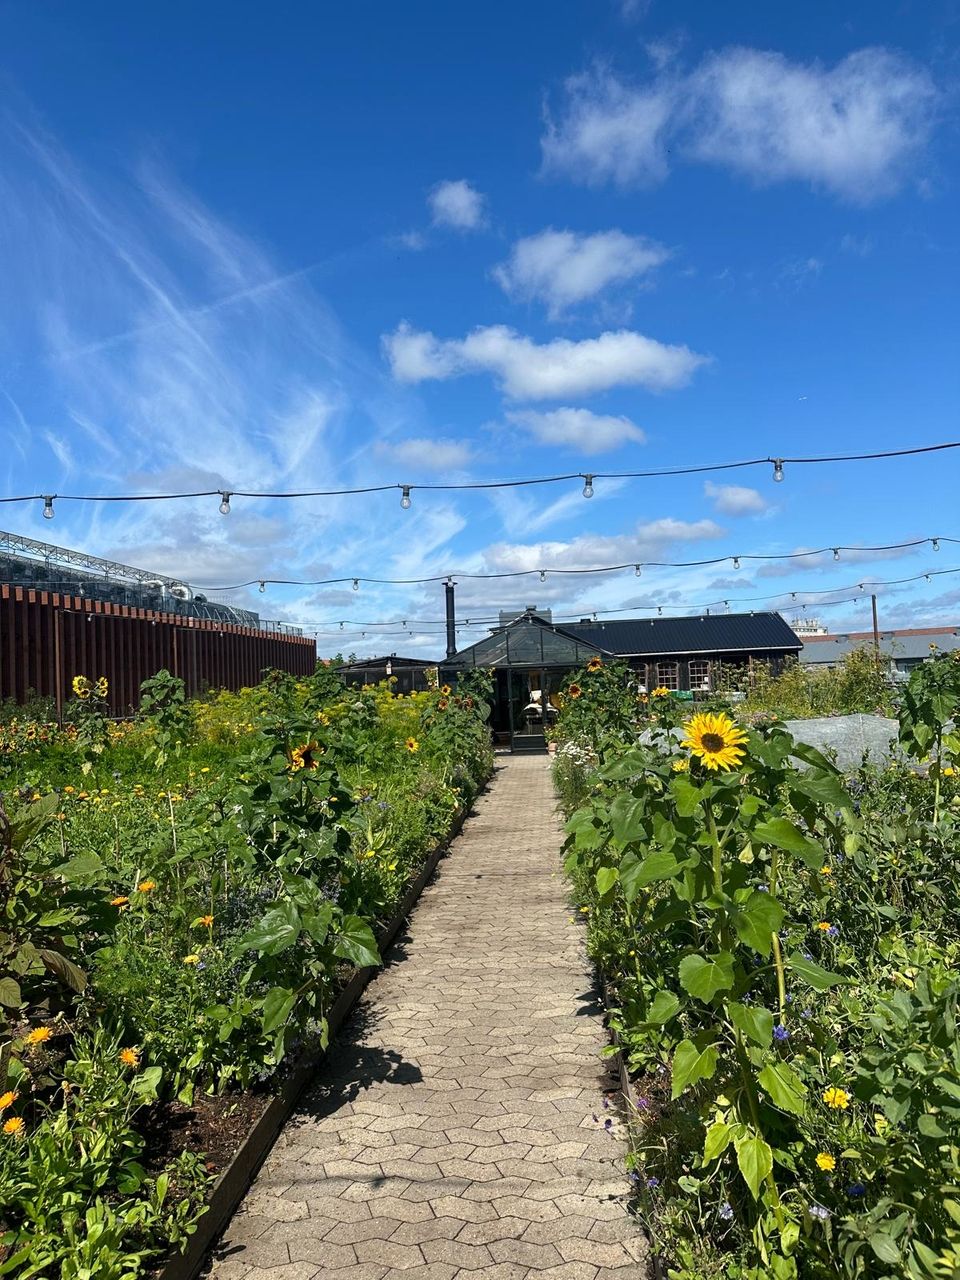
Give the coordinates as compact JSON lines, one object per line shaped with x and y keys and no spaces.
{"x":232,"y":1184}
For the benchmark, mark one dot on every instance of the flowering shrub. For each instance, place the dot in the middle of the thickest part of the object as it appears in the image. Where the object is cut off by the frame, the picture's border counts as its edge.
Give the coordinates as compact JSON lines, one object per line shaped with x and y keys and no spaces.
{"x":781,"y":949}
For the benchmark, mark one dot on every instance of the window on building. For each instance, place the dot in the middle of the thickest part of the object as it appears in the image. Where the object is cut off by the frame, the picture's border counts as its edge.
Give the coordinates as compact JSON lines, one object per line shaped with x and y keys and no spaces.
{"x":668,"y":675}
{"x":699,"y":675}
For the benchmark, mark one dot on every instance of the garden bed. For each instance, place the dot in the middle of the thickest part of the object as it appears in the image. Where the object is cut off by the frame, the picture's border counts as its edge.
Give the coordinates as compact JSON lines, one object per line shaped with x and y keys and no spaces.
{"x":780,"y":951}
{"x":191,"y":899}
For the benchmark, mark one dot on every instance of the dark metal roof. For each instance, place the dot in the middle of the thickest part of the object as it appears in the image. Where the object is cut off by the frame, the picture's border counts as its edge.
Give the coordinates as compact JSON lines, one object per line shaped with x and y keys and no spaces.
{"x":709,"y":633}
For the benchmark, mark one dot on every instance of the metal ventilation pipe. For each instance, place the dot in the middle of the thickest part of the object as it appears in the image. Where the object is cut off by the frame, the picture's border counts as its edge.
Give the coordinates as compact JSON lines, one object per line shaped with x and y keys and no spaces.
{"x":448,"y":587}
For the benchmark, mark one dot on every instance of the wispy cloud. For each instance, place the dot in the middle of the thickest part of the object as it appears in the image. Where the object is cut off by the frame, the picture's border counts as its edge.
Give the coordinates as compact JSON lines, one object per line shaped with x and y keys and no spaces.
{"x":578,"y":429}
{"x":735,"y":499}
{"x":458,"y":205}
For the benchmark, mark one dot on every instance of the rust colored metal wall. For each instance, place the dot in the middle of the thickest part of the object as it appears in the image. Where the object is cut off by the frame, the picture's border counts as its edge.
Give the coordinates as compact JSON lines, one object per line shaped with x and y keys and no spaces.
{"x":47,"y":638}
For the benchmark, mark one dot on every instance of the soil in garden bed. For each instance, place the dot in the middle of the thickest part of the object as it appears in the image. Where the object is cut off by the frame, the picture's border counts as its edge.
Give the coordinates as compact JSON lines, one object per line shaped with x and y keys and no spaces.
{"x":214,"y":1127}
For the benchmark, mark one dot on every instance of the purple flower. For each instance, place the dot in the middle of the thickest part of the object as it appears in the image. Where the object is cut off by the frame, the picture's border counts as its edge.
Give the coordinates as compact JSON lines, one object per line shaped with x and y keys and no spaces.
{"x":652,"y":1184}
{"x":806,"y":1013}
{"x":856,"y":1189}
{"x":608,"y":1125}
{"x":781,"y":1033}
{"x":725,"y":1211}
{"x":606,"y":1103}
{"x":832,"y":932}
{"x":819,"y":1211}
{"x":642,"y":1101}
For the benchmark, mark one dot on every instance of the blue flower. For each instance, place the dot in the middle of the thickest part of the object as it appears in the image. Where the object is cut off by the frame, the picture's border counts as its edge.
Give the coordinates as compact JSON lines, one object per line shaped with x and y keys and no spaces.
{"x":806,"y":1013}
{"x":763,"y":888}
{"x":726,"y":1211}
{"x":781,"y":1033}
{"x":833,"y":932}
{"x":652,"y":1184}
{"x":608,"y":1125}
{"x":856,"y":1190}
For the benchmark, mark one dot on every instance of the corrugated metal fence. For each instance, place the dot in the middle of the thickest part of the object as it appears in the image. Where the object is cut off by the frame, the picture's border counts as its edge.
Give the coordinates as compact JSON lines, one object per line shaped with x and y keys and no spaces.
{"x":47,"y":638}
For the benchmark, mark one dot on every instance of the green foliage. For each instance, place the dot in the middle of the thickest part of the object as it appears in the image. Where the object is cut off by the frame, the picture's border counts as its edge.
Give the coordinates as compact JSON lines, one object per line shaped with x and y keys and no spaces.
{"x":782,"y":946}
{"x":163,"y":705}
{"x":858,"y":683}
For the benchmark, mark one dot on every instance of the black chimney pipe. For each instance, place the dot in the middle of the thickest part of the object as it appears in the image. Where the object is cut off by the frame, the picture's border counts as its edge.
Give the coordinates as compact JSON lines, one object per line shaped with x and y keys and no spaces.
{"x":451,"y":618}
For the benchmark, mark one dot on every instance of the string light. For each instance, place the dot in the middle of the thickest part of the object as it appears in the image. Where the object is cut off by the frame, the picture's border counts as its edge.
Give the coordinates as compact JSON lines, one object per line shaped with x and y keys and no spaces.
{"x":736,"y":562}
{"x":356,"y":584}
{"x":263,"y":586}
{"x":777,"y":463}
{"x":48,"y":506}
{"x":935,"y":543}
{"x":836,"y":553}
{"x":224,"y":502}
{"x":637,"y":571}
{"x":543,"y":575}
{"x":405,"y":500}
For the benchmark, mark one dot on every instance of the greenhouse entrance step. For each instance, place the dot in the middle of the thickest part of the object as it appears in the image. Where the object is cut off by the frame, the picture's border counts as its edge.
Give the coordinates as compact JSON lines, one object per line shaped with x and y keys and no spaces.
{"x":458,"y":1129}
{"x":529,"y":742}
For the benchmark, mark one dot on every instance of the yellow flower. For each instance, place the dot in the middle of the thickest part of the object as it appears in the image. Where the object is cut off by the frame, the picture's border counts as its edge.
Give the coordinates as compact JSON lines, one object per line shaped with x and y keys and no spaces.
{"x":205,"y":769}
{"x":880,"y":1122}
{"x":715,"y":740}
{"x":8,"y":1099}
{"x":838,"y":1099}
{"x":194,"y":959}
{"x":948,"y":771}
{"x":146,"y":886}
{"x":826,"y":871}
{"x":14,"y":1127}
{"x":824,"y":926}
{"x":826,"y":1162}
{"x":69,"y":790}
{"x":595,"y":664}
{"x":445,"y":690}
{"x":574,"y":691}
{"x":585,"y":909}
{"x":130,"y":1057}
{"x":206,"y":921}
{"x":81,"y":686}
{"x":661,"y":691}
{"x":680,"y":766}
{"x":39,"y":1035}
{"x":412,"y":745}
{"x":119,"y":901}
{"x":303,"y":757}
{"x":102,"y":687}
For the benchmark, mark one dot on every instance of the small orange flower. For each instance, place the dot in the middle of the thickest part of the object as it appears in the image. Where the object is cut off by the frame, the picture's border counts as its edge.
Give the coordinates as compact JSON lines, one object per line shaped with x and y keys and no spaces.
{"x":8,"y":1099}
{"x":14,"y":1127}
{"x":130,"y":1057}
{"x":119,"y":901}
{"x":824,"y":926}
{"x":39,"y":1035}
{"x":146,"y":886}
{"x":206,"y":921}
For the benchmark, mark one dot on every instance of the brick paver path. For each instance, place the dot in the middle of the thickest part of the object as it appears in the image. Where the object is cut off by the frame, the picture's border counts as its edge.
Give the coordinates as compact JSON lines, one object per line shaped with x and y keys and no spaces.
{"x":457,"y":1130}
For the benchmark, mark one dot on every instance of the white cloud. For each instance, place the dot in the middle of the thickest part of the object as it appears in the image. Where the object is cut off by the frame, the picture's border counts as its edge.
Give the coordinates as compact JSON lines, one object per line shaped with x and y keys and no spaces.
{"x":457,"y":204}
{"x":562,"y":268}
{"x":542,"y":371}
{"x":735,"y":499}
{"x":856,"y":129}
{"x":430,"y":455}
{"x":579,"y":429}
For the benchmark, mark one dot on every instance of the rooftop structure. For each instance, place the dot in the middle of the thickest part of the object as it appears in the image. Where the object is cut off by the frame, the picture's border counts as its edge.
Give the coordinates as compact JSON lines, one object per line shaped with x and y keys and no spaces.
{"x":903,"y":650}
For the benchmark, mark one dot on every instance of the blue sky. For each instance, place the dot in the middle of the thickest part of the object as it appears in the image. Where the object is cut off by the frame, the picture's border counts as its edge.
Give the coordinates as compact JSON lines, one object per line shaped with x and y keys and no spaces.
{"x":303,"y":246}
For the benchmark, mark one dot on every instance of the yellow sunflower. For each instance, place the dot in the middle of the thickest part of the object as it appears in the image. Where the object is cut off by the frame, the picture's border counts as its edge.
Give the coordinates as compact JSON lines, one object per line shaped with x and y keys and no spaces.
{"x":412,"y":745}
{"x":574,"y":691}
{"x":303,"y":757}
{"x":595,"y":664}
{"x":102,"y":687}
{"x":715,"y":740}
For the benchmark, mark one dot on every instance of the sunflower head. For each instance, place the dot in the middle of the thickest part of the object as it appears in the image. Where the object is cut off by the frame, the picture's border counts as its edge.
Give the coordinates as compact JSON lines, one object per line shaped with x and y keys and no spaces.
{"x":102,"y":687}
{"x":130,"y":1057}
{"x":595,"y":664}
{"x":715,"y":740}
{"x":574,"y":691}
{"x":412,"y":745}
{"x":304,"y":757}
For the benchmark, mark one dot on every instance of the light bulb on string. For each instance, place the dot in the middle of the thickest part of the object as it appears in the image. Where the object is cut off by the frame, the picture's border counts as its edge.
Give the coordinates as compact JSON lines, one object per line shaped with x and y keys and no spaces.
{"x":263,"y":586}
{"x":543,"y":575}
{"x":659,"y":611}
{"x":836,"y":553}
{"x":341,"y":626}
{"x":736,"y":562}
{"x":405,"y":500}
{"x":48,"y":506}
{"x":224,"y":502}
{"x":778,"y":469}
{"x":588,"y":486}
{"x":356,"y":584}
{"x":935,"y":543}
{"x":637,"y":571}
